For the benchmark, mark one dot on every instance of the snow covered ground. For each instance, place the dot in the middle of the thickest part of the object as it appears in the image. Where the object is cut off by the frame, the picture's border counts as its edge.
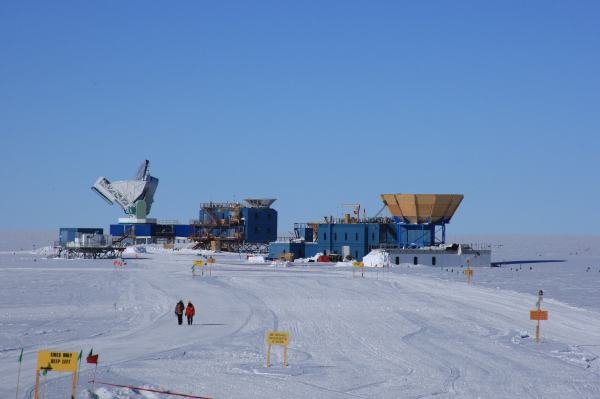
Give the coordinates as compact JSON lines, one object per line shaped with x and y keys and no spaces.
{"x":412,"y":332}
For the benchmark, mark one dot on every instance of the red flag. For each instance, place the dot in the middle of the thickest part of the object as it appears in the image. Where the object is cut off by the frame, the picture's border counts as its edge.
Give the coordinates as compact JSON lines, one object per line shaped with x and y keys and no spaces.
{"x":92,"y":359}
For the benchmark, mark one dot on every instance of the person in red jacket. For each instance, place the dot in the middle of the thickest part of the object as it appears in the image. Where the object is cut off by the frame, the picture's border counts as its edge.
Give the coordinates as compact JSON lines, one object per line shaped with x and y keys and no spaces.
{"x":190,"y":312}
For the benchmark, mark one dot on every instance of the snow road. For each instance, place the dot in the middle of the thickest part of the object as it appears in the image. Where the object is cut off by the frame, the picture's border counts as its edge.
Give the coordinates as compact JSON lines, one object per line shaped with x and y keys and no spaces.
{"x":404,"y":333}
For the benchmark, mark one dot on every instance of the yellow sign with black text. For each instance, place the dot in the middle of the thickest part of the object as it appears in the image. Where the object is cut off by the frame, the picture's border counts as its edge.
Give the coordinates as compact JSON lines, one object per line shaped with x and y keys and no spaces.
{"x":278,"y":338}
{"x":57,"y":361}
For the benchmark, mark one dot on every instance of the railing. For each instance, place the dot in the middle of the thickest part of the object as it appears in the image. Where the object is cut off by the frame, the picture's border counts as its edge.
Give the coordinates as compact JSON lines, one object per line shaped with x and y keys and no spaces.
{"x":167,"y":221}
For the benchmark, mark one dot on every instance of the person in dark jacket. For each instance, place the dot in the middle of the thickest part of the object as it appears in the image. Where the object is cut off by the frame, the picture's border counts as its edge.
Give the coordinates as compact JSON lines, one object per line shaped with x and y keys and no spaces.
{"x":179,"y":311}
{"x":189,"y":313}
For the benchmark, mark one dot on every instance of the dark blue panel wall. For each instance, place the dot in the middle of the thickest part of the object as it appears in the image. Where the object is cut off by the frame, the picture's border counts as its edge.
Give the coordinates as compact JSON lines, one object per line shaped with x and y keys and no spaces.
{"x":182,"y":230}
{"x":310,"y":249}
{"x":333,"y":237}
{"x":418,"y":235}
{"x":276,"y":249}
{"x":117,"y":230}
{"x":142,"y":229}
{"x":260,"y":225}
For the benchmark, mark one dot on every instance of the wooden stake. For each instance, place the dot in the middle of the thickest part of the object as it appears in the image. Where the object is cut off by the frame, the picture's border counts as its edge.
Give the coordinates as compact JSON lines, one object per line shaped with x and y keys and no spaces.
{"x":269,"y":356}
{"x":74,"y":386}
{"x":539,"y":307}
{"x":19,"y":377}
{"x":36,"y":393}
{"x":94,"y":379}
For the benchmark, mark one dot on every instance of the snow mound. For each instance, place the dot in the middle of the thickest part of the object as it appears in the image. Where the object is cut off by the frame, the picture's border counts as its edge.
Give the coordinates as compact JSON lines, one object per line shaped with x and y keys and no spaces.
{"x":256,"y":259}
{"x":282,"y":263}
{"x":376,"y":258}
{"x":309,"y":259}
{"x":135,"y":249}
{"x":347,"y":263}
{"x":48,"y":251}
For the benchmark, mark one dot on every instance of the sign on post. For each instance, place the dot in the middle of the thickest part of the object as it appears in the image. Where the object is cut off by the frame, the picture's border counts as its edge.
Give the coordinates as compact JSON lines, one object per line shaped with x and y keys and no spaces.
{"x":358,"y":265}
{"x":281,"y":338}
{"x":538,"y":315}
{"x":469,"y":273}
{"x":200,"y":264}
{"x":56,"y":361}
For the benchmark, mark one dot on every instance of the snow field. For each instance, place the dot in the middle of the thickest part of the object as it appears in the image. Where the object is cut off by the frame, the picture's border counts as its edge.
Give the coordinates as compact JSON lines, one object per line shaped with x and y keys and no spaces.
{"x":412,"y":332}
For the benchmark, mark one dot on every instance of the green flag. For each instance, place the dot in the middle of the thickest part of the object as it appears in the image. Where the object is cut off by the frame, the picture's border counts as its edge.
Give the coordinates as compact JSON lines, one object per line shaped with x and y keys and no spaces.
{"x":21,"y":356}
{"x":91,"y":350}
{"x":80,"y":353}
{"x":44,"y":371}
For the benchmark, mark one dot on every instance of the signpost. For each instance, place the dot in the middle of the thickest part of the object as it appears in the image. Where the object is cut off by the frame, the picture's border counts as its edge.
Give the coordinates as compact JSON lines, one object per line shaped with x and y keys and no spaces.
{"x":200,"y":264}
{"x":56,"y":361}
{"x":538,"y":315}
{"x":469,"y":273}
{"x":358,"y":265}
{"x":281,"y":338}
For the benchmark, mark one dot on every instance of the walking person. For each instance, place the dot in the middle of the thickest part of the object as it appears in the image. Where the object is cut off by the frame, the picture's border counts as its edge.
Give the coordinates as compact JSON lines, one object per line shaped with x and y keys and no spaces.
{"x":189,"y":313}
{"x":179,"y":311}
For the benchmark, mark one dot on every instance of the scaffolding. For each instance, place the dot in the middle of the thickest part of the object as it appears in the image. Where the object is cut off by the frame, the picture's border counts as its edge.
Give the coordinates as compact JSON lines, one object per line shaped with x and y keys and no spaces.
{"x":220,"y":227}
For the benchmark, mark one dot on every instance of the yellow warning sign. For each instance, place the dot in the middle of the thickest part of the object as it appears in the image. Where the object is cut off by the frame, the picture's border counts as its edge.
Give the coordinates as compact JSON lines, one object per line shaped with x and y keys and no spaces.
{"x":358,"y":264}
{"x":57,"y":361}
{"x":538,"y":315}
{"x":278,"y":338}
{"x":198,"y":263}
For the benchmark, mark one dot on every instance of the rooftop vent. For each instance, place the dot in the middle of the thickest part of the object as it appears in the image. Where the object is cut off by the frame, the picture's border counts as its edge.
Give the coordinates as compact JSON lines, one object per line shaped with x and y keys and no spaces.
{"x":260,"y":202}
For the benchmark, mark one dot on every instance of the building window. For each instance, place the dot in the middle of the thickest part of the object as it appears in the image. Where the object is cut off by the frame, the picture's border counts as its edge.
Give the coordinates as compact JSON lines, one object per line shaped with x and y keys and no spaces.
{"x":269,"y":216}
{"x":324,"y":236}
{"x":415,"y":261}
{"x":355,"y":254}
{"x":433,"y":261}
{"x":372,"y":236}
{"x":356,"y":235}
{"x":334,"y":236}
{"x":345,"y":236}
{"x":397,"y":260}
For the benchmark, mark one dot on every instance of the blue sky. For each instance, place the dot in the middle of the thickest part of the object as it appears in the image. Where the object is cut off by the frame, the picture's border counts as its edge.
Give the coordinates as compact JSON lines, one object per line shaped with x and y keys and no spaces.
{"x":314,"y":103}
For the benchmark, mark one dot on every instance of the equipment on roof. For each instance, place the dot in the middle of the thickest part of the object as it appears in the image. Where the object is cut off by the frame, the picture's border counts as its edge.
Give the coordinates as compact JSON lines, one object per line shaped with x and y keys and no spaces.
{"x":422,"y":208}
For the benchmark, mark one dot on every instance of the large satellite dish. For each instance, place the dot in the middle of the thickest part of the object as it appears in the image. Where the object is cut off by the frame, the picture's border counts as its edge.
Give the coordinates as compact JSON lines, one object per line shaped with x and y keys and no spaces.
{"x":134,"y":196}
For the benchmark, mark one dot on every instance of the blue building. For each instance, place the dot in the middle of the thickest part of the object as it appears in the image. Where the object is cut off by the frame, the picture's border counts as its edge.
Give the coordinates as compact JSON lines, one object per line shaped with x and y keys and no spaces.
{"x":151,"y":233}
{"x":417,"y":220}
{"x":354,"y":240}
{"x":68,"y":234}
{"x":231,"y":225}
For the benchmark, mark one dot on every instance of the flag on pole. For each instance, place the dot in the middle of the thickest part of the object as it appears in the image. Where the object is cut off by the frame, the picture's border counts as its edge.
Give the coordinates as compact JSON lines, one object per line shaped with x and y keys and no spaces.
{"x":21,"y":356}
{"x":80,"y":354}
{"x":92,"y":359}
{"x":91,"y":350}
